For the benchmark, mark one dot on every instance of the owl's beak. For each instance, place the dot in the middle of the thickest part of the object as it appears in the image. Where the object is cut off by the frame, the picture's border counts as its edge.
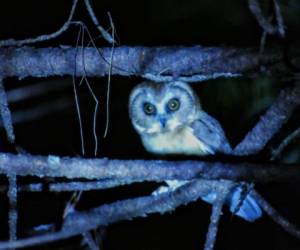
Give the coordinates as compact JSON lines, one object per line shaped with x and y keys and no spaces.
{"x":163,"y":121}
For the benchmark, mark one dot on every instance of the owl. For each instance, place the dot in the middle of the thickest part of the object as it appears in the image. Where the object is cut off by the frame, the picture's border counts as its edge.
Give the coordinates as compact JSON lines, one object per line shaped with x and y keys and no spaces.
{"x":170,"y":121}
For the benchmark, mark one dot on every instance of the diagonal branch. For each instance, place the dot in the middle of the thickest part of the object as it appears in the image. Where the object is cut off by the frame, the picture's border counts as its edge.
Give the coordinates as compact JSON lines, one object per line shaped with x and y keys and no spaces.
{"x":276,"y":153}
{"x":261,"y":19}
{"x":80,"y":222}
{"x":13,"y":42}
{"x":271,"y":122}
{"x":93,"y":16}
{"x":275,"y":216}
{"x":264,"y":22}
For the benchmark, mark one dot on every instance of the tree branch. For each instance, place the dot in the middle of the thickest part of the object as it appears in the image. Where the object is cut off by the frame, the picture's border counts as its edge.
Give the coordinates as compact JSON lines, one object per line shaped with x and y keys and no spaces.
{"x":276,"y":153}
{"x":64,"y":27}
{"x":5,"y":114}
{"x":13,"y":209}
{"x":70,"y":186}
{"x":141,"y":170}
{"x":271,"y":122}
{"x":103,"y":32}
{"x":172,"y":61}
{"x":215,"y":216}
{"x":275,"y":216}
{"x":264,"y":22}
{"x":80,"y":222}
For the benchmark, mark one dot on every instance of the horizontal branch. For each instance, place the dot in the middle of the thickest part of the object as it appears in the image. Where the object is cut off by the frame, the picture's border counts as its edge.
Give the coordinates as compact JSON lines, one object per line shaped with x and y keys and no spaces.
{"x":141,"y":170}
{"x":172,"y":61}
{"x":70,"y":186}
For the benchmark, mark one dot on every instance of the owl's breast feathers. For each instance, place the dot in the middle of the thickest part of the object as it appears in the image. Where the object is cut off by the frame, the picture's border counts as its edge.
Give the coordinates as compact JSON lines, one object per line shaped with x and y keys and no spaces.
{"x":181,"y":141}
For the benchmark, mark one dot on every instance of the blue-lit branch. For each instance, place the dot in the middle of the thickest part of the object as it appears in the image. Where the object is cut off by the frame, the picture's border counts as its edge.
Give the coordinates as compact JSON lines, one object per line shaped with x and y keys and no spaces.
{"x":156,"y":61}
{"x":143,"y":170}
{"x":5,"y":114}
{"x":271,"y":122}
{"x":61,"y":30}
{"x":79,"y":222}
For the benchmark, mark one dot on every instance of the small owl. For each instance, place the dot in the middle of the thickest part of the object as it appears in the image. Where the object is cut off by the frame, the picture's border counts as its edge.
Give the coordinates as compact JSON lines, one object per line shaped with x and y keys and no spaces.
{"x":170,"y":120}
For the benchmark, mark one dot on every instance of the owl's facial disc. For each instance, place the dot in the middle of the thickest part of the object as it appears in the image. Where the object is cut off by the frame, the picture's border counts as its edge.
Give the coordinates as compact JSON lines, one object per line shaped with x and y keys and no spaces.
{"x":164,"y":116}
{"x":163,"y":108}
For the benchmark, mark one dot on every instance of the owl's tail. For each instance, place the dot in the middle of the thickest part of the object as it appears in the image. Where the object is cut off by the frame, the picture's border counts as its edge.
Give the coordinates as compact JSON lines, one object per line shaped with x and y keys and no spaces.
{"x":245,"y":207}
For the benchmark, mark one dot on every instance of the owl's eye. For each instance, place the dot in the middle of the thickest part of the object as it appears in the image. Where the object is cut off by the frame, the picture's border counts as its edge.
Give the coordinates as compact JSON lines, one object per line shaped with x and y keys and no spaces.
{"x":173,"y":104}
{"x":149,"y":108}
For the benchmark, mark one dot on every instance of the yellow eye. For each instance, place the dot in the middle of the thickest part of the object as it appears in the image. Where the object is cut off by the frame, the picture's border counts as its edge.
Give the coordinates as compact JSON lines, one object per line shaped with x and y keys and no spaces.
{"x":149,"y":108}
{"x":173,"y":104}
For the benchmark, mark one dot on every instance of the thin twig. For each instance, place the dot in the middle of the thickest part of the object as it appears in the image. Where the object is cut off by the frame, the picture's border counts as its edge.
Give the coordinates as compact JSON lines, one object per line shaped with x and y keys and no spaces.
{"x":12,"y":42}
{"x":276,"y":153}
{"x":13,"y":210}
{"x":88,"y":240}
{"x":85,"y":79}
{"x":275,"y":216}
{"x":109,"y":75}
{"x":263,"y":22}
{"x":215,"y":216}
{"x":279,"y":19}
{"x":94,"y":116}
{"x":71,"y":204}
{"x":264,"y":38}
{"x":6,"y":114}
{"x":76,"y":95}
{"x":103,"y":32}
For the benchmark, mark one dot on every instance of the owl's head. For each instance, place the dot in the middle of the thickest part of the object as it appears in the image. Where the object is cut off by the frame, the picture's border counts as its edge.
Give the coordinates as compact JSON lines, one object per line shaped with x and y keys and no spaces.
{"x":158,"y":108}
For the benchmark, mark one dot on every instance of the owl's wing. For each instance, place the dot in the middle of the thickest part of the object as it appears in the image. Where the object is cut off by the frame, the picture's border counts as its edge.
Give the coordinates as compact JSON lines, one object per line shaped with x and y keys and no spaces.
{"x":208,"y":130}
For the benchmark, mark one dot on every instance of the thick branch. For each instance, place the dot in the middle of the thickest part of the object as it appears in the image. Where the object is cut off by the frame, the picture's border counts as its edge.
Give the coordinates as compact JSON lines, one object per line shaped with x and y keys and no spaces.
{"x":172,"y":61}
{"x":140,"y":170}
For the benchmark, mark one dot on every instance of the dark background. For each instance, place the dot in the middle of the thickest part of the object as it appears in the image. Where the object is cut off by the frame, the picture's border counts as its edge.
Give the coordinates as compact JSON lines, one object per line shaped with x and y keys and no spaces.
{"x":236,"y":103}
